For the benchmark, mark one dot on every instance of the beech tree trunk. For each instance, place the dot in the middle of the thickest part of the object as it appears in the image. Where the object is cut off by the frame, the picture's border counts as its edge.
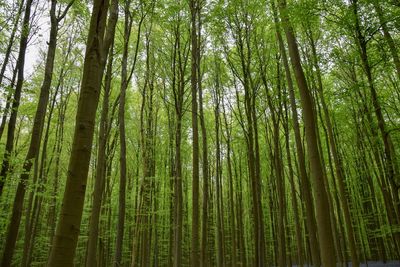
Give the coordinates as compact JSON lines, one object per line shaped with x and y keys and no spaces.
{"x":195,"y":64}
{"x":68,"y":228}
{"x":204,"y":261}
{"x":91,"y":259}
{"x":122,"y":137}
{"x":304,"y":179}
{"x":321,"y":195}
{"x":178,"y":89}
{"x":340,"y":175}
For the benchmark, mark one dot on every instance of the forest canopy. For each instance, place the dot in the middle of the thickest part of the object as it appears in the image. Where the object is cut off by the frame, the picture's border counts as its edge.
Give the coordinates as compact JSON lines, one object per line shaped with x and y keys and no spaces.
{"x":199,"y":132}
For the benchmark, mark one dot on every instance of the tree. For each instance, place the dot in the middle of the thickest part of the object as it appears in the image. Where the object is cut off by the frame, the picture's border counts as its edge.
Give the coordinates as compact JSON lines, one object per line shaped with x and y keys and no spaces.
{"x":322,"y":206}
{"x":195,"y":80}
{"x":231,"y":133}
{"x":67,"y":232}
{"x":37,"y":128}
{"x":17,"y":95}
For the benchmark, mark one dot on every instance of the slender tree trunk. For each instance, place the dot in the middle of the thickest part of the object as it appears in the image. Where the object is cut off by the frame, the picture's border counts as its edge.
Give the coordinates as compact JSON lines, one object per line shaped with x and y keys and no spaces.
{"x":195,"y":255}
{"x":142,"y":246}
{"x":338,"y":232}
{"x":3,"y":70}
{"x":389,"y":152}
{"x":171,"y":162}
{"x":178,"y":201}
{"x":5,"y":114}
{"x":122,"y":138}
{"x":16,"y":99}
{"x":141,"y":201}
{"x":388,"y":36}
{"x":241,"y":239}
{"x":218,"y":181}
{"x":68,"y":228}
{"x":297,"y":214}
{"x":340,"y":176}
{"x":232,"y":215}
{"x":36,"y":136}
{"x":7,"y":54}
{"x":59,"y":145}
{"x":321,"y":195}
{"x":204,"y":261}
{"x":178,"y":84}
{"x":99,"y":185}
{"x":280,"y":182}
{"x":30,"y":213}
{"x":305,"y":183}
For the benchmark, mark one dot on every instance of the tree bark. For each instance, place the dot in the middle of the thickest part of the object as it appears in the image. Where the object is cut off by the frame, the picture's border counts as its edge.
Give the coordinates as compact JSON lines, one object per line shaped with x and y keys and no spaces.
{"x":122,"y":137}
{"x":91,"y":259}
{"x":218,"y":181}
{"x":195,"y":255}
{"x":340,"y":176}
{"x":68,"y":228}
{"x":321,"y":195}
{"x":304,"y":179}
{"x":204,"y":261}
{"x":3,"y":70}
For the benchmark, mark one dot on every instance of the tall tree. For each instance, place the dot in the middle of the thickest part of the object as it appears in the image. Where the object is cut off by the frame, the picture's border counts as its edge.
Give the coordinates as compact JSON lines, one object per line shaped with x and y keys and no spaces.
{"x":321,"y":198}
{"x":97,"y":48}
{"x":37,"y":130}
{"x":304,"y":179}
{"x":179,"y":66}
{"x":122,"y":135}
{"x":340,"y":175}
{"x":98,"y":191}
{"x":242,"y":133}
{"x":389,"y":150}
{"x":195,"y":64}
{"x":4,"y":67}
{"x":25,"y":31}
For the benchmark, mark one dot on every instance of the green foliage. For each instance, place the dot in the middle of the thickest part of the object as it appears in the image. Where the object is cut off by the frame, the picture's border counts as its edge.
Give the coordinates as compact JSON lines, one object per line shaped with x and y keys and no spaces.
{"x":240,"y":58}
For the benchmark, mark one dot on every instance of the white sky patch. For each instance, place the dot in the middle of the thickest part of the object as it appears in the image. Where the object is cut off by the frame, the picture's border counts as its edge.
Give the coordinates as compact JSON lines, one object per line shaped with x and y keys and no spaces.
{"x":39,"y":37}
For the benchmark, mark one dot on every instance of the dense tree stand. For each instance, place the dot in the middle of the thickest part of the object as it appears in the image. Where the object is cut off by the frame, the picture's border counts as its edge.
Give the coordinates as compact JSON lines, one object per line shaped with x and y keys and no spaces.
{"x":199,"y":133}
